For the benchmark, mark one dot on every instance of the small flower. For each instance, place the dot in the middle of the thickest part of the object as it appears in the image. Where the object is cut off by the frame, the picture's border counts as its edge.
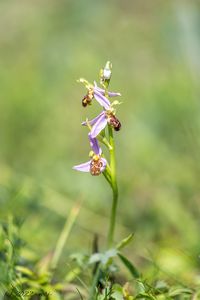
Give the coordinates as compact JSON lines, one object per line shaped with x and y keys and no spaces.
{"x":100,"y":122}
{"x":97,"y":164}
{"x":94,"y":93}
{"x":98,"y":93}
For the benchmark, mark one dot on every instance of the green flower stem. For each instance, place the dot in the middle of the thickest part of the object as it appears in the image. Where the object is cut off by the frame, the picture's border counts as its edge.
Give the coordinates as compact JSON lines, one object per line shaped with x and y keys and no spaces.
{"x":105,"y":142}
{"x":112,"y":181}
{"x":107,"y":176}
{"x":114,"y":187}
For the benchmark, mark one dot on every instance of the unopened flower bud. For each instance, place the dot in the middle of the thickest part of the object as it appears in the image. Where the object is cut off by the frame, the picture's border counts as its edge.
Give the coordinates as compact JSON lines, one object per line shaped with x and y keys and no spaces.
{"x":106,"y":73}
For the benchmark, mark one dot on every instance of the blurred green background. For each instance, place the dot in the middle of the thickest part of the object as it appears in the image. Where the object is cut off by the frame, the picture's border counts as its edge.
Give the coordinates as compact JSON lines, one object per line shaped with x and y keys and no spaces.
{"x":45,"y":46}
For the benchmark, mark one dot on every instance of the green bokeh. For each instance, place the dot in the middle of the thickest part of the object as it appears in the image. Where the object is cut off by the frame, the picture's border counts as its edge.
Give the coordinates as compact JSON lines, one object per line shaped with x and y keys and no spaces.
{"x":154,"y":47}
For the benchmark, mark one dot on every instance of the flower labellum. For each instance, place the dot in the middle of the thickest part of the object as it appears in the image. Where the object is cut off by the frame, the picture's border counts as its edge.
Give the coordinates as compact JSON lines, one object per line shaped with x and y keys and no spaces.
{"x":96,"y":165}
{"x":113,"y":121}
{"x":87,"y":99}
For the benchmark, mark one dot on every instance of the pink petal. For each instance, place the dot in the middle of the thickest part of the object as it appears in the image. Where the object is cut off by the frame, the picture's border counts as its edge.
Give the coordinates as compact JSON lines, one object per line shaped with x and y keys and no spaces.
{"x":104,"y":164}
{"x":85,"y":167}
{"x":93,"y":121}
{"x":99,"y":126}
{"x":102,"y":91}
{"x":94,"y":145}
{"x":103,"y":101}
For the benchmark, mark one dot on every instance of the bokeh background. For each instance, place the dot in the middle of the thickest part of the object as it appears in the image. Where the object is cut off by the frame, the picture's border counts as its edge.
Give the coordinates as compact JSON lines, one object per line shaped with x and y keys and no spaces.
{"x":45,"y":46}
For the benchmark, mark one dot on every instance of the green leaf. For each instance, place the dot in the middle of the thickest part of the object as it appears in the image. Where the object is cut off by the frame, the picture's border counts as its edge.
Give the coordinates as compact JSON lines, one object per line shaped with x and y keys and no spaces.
{"x":125,"y":242}
{"x":132,"y":269}
{"x":180,"y":291}
{"x":72,"y":274}
{"x":117,"y":292}
{"x":145,"y":296}
{"x":117,"y":295}
{"x":24,"y":270}
{"x":161,"y":286}
{"x":140,"y":287}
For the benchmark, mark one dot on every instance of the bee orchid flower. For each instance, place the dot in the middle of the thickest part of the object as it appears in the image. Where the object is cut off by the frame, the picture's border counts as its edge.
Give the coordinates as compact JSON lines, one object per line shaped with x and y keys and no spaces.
{"x":95,"y":92}
{"x":97,"y":164}
{"x":100,"y":122}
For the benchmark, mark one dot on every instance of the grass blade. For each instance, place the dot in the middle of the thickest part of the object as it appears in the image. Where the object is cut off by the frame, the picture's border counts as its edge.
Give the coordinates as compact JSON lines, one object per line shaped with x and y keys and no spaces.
{"x":132,"y":269}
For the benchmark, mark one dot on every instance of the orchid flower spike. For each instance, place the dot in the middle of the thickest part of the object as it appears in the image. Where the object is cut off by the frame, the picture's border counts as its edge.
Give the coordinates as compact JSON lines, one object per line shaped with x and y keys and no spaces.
{"x":97,"y":164}
{"x":98,"y":93}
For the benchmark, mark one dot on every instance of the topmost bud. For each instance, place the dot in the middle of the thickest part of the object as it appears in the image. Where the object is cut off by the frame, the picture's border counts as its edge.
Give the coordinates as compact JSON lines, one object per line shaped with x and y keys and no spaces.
{"x":107,"y":71}
{"x":105,"y":74}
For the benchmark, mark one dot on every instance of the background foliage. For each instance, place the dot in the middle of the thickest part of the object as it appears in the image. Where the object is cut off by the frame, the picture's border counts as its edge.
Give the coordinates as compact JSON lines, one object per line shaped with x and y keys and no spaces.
{"x":154,"y":47}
